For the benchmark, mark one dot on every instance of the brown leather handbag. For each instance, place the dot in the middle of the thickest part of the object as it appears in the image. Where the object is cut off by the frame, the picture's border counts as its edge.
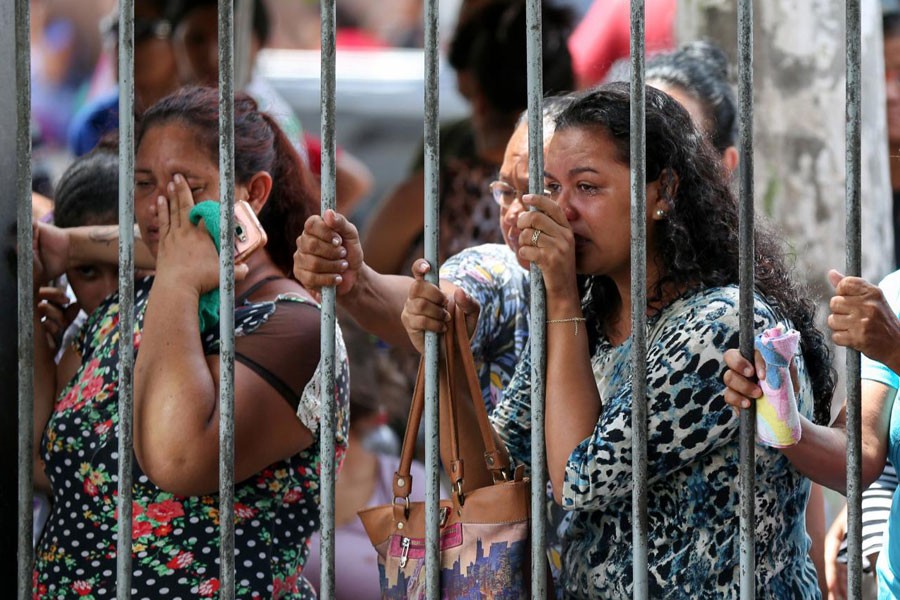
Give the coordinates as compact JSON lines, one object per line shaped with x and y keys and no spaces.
{"x":484,"y":532}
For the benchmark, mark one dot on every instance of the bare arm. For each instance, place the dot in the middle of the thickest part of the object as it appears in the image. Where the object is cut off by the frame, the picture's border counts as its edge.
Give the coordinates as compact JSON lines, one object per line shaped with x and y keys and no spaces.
{"x":176,"y":400}
{"x":821,"y":453}
{"x":72,"y":246}
{"x":573,"y":402}
{"x":45,"y":373}
{"x":45,"y":386}
{"x":329,"y":252}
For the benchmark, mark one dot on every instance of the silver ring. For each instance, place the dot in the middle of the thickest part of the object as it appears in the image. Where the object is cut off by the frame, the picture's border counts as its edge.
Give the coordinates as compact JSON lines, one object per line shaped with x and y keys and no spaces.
{"x":534,"y":237}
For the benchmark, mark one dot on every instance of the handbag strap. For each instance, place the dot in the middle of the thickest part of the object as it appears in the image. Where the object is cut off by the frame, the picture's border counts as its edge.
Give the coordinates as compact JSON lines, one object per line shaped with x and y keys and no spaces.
{"x":457,"y":350}
{"x":495,"y":459}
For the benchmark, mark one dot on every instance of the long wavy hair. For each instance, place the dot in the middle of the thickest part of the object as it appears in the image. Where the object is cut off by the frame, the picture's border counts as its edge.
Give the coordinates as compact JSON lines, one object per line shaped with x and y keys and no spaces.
{"x":697,"y":245}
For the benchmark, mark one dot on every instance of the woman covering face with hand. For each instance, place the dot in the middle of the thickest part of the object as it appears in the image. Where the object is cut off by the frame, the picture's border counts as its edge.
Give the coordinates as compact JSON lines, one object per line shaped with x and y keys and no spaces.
{"x":580,"y":237}
{"x":176,"y":396}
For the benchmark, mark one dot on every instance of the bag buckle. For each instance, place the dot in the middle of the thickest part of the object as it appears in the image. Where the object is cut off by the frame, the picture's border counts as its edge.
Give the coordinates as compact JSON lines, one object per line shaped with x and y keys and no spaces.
{"x":405,"y":507}
{"x":460,"y":496}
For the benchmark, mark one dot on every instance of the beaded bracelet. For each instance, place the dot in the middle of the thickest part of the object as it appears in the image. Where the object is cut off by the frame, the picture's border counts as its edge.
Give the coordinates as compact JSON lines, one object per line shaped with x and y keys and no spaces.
{"x":575,"y":320}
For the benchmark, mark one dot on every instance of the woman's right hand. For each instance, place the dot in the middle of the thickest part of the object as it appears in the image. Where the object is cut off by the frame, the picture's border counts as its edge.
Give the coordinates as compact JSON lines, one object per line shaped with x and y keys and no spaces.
{"x":426,"y":307}
{"x":328,"y":253}
{"x":740,"y":379}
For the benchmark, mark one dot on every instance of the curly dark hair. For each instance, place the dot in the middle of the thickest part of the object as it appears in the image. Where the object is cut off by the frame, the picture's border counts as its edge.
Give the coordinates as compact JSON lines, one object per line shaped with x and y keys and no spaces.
{"x":697,"y":245}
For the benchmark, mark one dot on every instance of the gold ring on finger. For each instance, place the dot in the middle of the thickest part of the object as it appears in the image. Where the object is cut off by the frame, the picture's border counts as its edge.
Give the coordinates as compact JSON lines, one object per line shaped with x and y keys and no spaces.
{"x":534,"y":237}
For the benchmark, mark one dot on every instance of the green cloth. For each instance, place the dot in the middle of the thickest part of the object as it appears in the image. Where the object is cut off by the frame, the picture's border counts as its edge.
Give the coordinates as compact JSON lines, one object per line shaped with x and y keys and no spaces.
{"x":208,"y":210}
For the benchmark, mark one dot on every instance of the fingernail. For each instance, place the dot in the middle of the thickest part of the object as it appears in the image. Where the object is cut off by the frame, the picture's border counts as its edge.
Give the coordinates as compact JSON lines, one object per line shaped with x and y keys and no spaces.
{"x":178,"y":178}
{"x":748,"y":372}
{"x":343,"y":252}
{"x":745,"y":404}
{"x":344,"y":265}
{"x":338,"y":279}
{"x":336,"y":241}
{"x":171,"y":187}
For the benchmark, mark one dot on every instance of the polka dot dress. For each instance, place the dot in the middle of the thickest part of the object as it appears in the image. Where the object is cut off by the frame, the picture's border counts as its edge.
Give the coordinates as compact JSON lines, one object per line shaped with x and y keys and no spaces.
{"x":175,"y":544}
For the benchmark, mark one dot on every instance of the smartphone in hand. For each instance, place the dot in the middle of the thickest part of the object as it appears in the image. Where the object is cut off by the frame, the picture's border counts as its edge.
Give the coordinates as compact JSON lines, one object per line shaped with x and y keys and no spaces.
{"x":248,"y":233}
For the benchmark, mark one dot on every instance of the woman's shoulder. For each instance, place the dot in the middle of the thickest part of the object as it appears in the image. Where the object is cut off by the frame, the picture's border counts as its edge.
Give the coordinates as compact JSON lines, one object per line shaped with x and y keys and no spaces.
{"x":489,"y":262}
{"x":720,"y":305}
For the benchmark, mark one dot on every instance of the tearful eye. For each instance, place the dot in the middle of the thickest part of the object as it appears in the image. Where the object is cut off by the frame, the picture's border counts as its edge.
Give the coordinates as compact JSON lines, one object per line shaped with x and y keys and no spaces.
{"x":552,"y":189}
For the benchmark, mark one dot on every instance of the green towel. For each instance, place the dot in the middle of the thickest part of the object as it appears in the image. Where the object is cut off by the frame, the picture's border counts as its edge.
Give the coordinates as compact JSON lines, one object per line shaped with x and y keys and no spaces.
{"x":208,"y":210}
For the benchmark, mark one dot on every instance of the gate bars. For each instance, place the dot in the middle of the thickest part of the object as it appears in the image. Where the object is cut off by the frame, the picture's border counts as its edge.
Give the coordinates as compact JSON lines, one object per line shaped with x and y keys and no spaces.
{"x":227,"y":52}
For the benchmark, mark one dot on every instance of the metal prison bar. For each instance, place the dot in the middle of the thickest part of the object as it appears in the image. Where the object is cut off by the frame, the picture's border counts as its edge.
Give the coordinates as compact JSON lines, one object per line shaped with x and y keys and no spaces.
{"x":747,"y":449}
{"x":126,"y":216}
{"x":537,"y":325}
{"x":226,"y":298}
{"x":638,"y":161}
{"x":853,"y":249}
{"x":432,"y":230}
{"x":327,"y":422}
{"x":126,"y":297}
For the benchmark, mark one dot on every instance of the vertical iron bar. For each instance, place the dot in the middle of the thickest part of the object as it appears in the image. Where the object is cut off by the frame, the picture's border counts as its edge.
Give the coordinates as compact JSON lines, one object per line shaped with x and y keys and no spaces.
{"x":853,"y":251}
{"x":226,"y":299}
{"x":747,"y":473}
{"x":538,"y":325}
{"x":126,"y":296}
{"x":432,"y":221}
{"x":638,"y":305}
{"x":25,"y":310}
{"x":328,"y":418}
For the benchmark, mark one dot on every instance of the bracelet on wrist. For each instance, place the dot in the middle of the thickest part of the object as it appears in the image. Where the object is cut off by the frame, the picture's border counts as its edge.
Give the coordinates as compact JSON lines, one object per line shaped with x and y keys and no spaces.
{"x":575,"y":320}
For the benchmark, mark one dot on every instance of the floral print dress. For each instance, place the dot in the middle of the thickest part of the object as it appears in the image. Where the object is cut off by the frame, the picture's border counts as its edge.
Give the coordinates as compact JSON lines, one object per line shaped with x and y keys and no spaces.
{"x":175,"y":544}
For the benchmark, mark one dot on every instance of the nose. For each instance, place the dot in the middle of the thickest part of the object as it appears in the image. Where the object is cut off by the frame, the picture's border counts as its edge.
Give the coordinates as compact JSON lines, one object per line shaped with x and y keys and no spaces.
{"x":563,"y":200}
{"x":511,"y":216}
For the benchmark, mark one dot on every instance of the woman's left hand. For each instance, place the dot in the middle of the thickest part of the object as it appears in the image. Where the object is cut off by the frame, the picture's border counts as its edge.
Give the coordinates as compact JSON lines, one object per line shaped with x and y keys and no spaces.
{"x":187,"y":255}
{"x":547,"y":240}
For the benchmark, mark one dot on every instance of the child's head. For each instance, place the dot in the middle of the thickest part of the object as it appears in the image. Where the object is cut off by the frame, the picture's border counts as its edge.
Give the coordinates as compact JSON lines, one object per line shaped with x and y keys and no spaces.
{"x":88,"y":194}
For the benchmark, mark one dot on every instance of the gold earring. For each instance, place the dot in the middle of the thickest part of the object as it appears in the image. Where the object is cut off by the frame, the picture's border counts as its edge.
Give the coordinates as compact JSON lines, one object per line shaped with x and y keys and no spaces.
{"x":660,"y":213}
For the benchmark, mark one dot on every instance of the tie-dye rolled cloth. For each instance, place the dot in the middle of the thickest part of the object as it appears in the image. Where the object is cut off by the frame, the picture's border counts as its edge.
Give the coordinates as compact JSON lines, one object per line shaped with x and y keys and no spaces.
{"x":777,"y":416}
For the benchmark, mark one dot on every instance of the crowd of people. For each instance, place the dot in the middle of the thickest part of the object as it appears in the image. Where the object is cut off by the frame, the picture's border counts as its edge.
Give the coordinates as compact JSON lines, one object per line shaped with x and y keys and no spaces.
{"x":577,"y":231}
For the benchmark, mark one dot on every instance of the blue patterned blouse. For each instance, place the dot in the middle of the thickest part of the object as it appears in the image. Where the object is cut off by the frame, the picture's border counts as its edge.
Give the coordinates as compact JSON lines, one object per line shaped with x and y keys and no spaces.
{"x":491,"y":274}
{"x":693,"y":497}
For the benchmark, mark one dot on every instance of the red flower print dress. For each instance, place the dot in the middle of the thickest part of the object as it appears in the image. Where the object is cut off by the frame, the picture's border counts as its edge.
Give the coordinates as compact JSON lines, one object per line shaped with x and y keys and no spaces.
{"x":175,"y":544}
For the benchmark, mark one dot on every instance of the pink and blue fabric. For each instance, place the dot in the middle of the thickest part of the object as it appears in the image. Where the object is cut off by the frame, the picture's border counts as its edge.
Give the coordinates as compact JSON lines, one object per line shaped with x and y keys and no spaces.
{"x":777,"y":417}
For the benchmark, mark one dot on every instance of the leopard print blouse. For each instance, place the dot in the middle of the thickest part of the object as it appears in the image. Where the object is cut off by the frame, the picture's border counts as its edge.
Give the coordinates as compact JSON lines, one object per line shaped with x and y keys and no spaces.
{"x":693,"y":497}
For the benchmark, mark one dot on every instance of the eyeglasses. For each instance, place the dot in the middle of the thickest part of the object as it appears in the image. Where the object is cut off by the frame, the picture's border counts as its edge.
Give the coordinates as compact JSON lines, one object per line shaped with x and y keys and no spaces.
{"x":503,"y":193}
